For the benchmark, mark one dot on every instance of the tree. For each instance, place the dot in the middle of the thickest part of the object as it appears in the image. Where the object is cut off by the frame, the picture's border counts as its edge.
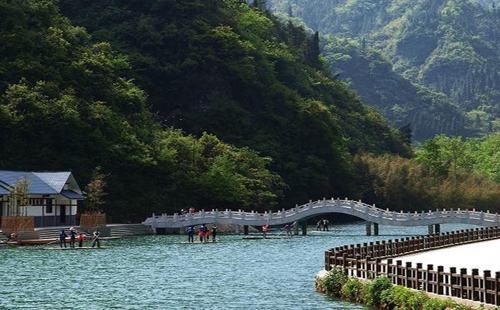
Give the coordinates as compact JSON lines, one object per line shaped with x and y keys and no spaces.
{"x":18,"y":198}
{"x":405,"y":134}
{"x":95,"y":191}
{"x":313,"y":51}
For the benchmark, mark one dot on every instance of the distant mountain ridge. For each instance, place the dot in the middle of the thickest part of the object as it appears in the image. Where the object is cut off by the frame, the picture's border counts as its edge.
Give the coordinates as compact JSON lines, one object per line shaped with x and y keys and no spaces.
{"x":447,"y":46}
{"x":397,"y":98}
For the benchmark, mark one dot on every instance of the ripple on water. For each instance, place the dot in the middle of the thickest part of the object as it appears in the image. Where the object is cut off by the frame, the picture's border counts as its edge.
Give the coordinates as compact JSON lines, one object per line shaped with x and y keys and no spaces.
{"x":159,"y":272}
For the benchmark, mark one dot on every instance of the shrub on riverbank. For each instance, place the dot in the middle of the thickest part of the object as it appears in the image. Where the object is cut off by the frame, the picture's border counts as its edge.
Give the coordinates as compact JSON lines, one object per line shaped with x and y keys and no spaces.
{"x":381,"y":293}
{"x":333,"y":282}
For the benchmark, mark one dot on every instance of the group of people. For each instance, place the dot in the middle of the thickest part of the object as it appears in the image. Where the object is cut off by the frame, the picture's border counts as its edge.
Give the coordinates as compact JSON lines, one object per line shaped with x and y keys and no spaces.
{"x":80,"y":236}
{"x":287,"y":229}
{"x":203,"y":233}
{"x":322,"y":225}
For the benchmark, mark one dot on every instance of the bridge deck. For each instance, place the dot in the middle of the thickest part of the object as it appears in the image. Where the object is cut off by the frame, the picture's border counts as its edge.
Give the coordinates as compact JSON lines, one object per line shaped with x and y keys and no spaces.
{"x":480,"y":255}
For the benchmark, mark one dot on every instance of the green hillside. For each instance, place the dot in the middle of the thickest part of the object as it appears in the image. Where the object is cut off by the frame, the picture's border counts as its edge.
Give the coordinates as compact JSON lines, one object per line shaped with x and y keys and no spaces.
{"x":233,"y":70}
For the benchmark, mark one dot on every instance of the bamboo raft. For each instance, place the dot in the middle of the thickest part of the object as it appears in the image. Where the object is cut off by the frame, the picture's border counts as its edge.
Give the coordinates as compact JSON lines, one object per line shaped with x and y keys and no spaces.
{"x":268,"y":237}
{"x":76,"y":248}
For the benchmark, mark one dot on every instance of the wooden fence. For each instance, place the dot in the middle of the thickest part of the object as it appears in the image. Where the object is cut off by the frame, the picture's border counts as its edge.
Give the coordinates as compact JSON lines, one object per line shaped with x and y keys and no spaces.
{"x":371,"y":260}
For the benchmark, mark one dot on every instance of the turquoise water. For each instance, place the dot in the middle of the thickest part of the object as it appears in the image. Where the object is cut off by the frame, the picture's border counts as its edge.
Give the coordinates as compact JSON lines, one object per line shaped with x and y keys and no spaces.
{"x":162,"y":272}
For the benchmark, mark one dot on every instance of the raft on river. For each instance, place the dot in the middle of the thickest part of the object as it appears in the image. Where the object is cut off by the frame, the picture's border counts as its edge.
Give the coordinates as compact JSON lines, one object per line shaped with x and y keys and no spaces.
{"x":47,"y":241}
{"x":77,"y":248}
{"x":267,"y":237}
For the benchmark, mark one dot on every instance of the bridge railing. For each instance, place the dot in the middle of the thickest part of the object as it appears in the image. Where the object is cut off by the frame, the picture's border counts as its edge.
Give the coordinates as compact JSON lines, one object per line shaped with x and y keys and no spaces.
{"x":356,"y":208}
{"x":375,"y":259}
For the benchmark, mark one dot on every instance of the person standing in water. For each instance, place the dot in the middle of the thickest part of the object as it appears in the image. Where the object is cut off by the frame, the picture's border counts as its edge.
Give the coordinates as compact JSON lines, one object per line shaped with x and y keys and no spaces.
{"x":214,"y":232}
{"x":265,"y":228}
{"x":72,"y":235}
{"x":319,"y":225}
{"x":62,"y":238}
{"x":325,"y":224}
{"x":202,"y":233}
{"x":95,"y":239}
{"x":288,"y":230}
{"x":190,"y":232}
{"x":81,"y":237}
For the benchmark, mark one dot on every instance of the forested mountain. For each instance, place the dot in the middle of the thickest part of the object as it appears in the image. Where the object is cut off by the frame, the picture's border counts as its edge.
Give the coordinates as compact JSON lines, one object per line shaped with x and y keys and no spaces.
{"x":448,"y":46}
{"x":232,"y":70}
{"x":268,"y":127}
{"x":402,"y":102}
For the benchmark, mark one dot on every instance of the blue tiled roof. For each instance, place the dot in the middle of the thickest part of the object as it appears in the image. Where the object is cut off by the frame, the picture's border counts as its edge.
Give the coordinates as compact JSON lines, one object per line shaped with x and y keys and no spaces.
{"x":3,"y":191}
{"x":72,"y":195}
{"x":56,"y":180}
{"x":41,"y":183}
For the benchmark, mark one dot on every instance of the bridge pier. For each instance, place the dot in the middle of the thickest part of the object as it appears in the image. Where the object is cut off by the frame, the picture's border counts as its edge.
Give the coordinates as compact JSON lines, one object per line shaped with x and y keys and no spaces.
{"x":245,"y":229}
{"x":304,"y":228}
{"x":434,"y":229}
{"x":369,"y":228}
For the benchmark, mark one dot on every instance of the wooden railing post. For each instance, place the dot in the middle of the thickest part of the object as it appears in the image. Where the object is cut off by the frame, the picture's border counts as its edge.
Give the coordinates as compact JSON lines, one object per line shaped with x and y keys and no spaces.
{"x":487,"y":287}
{"x":453,"y":282}
{"x":497,"y":288}
{"x":369,"y":267}
{"x":399,"y":272}
{"x":429,"y":279}
{"x":439,"y":280}
{"x":463,"y":283}
{"x":409,"y":276}
{"x":377,"y":266}
{"x":420,"y":281}
{"x":475,"y":284}
{"x":390,"y":273}
{"x":358,"y":266}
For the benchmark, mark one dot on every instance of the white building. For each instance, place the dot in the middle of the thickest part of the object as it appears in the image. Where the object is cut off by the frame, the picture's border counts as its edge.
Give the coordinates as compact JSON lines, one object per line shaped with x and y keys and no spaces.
{"x":53,"y":196}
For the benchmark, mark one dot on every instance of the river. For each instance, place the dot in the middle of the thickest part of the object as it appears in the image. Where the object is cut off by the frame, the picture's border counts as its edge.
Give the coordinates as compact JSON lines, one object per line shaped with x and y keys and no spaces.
{"x":162,"y":272}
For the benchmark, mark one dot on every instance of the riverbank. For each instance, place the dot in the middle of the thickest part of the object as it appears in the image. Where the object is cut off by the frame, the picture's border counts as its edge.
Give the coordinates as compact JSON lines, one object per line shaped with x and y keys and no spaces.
{"x":417,"y":264}
{"x":382,"y":294}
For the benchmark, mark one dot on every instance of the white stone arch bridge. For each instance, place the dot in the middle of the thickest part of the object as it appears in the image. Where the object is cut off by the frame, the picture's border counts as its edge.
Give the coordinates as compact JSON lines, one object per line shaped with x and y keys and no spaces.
{"x":299,"y":215}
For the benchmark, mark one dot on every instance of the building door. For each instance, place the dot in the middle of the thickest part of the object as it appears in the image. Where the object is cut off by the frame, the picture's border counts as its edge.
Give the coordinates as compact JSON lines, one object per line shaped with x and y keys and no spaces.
{"x":62,"y":214}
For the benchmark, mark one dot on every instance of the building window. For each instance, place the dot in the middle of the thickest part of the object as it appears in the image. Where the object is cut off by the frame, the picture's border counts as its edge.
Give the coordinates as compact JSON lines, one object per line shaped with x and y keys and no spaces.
{"x":48,"y":206}
{"x":35,"y":202}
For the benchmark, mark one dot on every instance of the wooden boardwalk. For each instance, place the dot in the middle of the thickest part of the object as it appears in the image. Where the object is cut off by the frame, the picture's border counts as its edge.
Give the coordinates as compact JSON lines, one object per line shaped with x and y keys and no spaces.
{"x":475,"y":255}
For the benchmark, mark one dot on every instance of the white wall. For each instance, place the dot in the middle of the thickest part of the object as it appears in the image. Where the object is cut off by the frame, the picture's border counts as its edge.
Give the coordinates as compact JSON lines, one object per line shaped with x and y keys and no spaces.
{"x":34,"y":211}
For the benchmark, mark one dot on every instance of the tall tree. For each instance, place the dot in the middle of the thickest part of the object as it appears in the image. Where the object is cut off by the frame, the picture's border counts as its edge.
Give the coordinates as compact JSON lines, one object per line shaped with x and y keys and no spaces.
{"x":95,"y":192}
